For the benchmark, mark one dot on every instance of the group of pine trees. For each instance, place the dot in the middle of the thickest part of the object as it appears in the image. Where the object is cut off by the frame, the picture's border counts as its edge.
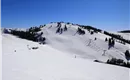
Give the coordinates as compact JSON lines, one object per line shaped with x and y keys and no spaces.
{"x":80,"y":31}
{"x":118,"y":62}
{"x":59,"y":29}
{"x":30,"y":34}
{"x":118,"y":37}
{"x":34,"y":29}
{"x":111,"y":42}
{"x":91,"y":28}
{"x":24,"y":34}
{"x":125,"y":31}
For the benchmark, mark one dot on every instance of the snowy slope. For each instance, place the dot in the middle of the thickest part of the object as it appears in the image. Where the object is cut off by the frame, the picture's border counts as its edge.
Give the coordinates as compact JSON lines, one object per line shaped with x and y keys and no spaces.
{"x":66,"y":56}
{"x":78,"y":45}
{"x":0,"y":52}
{"x":125,"y":35}
{"x":49,"y":62}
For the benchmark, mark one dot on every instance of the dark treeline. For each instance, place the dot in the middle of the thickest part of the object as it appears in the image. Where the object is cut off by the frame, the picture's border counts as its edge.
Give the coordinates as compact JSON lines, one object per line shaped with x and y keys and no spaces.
{"x":24,"y":34}
{"x":80,"y":31}
{"x":34,"y":29}
{"x":118,"y":62}
{"x":30,"y":34}
{"x":119,"y":37}
{"x":125,"y":31}
{"x":91,"y":28}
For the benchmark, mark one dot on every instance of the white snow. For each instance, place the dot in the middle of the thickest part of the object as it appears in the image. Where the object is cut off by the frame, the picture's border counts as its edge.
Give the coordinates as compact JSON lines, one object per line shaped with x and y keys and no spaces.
{"x":0,"y":54}
{"x":76,"y":44}
{"x":65,"y":57}
{"x":125,"y":35}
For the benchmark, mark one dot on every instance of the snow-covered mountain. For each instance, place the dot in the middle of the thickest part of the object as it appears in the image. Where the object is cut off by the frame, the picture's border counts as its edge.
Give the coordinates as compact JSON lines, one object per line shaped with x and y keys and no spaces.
{"x":125,"y":35}
{"x":83,"y":46}
{"x":65,"y":56}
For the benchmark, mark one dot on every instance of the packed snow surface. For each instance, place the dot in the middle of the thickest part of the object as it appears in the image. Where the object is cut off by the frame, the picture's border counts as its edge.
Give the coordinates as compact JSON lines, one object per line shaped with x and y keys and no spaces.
{"x":66,"y":56}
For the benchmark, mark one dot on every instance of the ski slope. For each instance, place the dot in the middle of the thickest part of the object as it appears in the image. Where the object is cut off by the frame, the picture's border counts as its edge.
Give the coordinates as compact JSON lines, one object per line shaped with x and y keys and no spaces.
{"x":50,"y":62}
{"x":71,"y":42}
{"x":125,"y":35}
{"x":0,"y":54}
{"x":66,"y":56}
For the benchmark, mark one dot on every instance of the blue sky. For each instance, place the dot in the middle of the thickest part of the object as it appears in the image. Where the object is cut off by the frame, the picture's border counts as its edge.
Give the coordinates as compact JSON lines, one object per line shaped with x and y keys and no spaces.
{"x":104,"y":14}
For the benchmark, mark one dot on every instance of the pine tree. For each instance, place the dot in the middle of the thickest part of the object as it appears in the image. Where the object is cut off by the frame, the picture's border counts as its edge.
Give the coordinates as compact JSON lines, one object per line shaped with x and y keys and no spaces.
{"x":58,"y":30}
{"x":109,"y":43}
{"x":106,"y":40}
{"x":61,"y":30}
{"x":65,"y":28}
{"x":95,"y":38}
{"x":127,"y":54}
{"x":113,"y":43}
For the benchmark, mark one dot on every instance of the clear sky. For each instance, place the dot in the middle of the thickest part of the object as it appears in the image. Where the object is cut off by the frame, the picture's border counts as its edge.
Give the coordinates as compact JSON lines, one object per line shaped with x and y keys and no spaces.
{"x":104,"y":14}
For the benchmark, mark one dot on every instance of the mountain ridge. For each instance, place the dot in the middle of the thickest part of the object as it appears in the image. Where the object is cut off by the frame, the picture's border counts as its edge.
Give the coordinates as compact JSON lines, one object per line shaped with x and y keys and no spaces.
{"x":60,"y":51}
{"x":76,"y":39}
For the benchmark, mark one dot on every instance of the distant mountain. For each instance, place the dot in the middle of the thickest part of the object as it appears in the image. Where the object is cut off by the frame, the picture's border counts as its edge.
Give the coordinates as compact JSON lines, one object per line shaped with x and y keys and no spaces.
{"x":124,"y":31}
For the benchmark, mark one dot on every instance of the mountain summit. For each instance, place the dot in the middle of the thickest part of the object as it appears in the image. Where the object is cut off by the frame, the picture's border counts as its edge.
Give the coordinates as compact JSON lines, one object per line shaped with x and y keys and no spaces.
{"x":63,"y":51}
